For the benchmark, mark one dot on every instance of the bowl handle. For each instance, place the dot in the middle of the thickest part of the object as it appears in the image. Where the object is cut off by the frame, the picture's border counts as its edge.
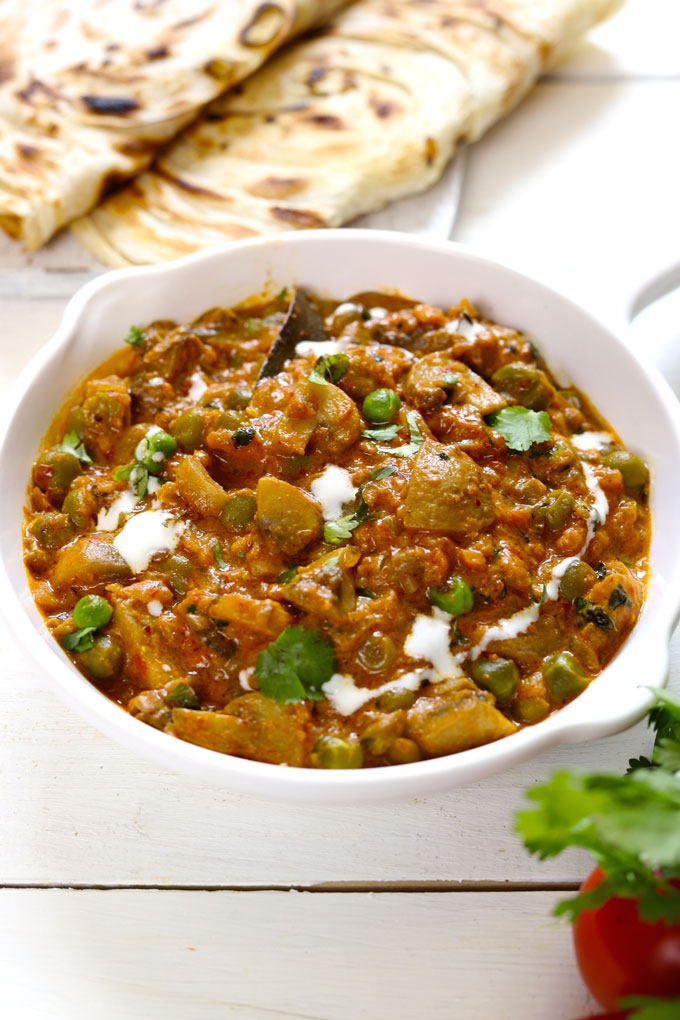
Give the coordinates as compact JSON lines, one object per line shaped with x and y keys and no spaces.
{"x":657,"y":337}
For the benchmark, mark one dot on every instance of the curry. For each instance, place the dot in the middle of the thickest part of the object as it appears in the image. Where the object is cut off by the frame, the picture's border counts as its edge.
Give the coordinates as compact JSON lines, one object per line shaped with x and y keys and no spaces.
{"x":336,"y":535}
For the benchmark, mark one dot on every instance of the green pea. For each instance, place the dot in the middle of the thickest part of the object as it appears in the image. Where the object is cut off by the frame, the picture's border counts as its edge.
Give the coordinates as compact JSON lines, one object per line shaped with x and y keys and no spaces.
{"x":377,"y":652}
{"x":104,"y":660}
{"x":525,"y":384}
{"x":52,"y":530}
{"x":335,"y":753}
{"x":456,"y":599}
{"x":559,"y":509}
{"x":634,"y":471}
{"x":530,"y":710}
{"x":239,"y":511}
{"x":177,"y":569}
{"x":253,"y":327}
{"x":381,"y":405}
{"x":76,"y":422}
{"x":393,"y":701}
{"x":230,"y":420}
{"x":403,"y":751}
{"x":563,"y":676}
{"x":92,"y":611}
{"x":500,"y":676}
{"x":238,"y":399}
{"x":577,"y":579}
{"x":188,"y":429}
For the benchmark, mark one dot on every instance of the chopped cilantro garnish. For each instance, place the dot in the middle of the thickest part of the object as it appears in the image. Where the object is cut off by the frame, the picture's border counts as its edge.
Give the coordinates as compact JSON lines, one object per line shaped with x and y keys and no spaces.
{"x":136,"y":475}
{"x":382,"y":472}
{"x":135,"y":337}
{"x":243,"y":436}
{"x":183,"y":696}
{"x":192,"y":608}
{"x":295,"y":666}
{"x":520,"y":427}
{"x":618,"y":597}
{"x":383,"y":434}
{"x":80,"y":640}
{"x":416,"y":439}
{"x":593,"y":614}
{"x":341,"y":529}
{"x":448,"y":380}
{"x":286,"y":576}
{"x":366,"y":593}
{"x":601,"y":571}
{"x":387,"y":433}
{"x":330,"y":368}
{"x":219,"y":559}
{"x":72,"y":443}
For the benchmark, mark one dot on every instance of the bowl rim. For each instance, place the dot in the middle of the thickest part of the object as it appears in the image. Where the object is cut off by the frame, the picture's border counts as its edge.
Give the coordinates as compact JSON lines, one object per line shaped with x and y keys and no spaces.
{"x":292,"y":783}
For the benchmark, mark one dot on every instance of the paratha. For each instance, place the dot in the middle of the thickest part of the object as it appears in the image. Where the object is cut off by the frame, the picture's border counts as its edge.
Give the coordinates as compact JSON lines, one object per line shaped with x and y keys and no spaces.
{"x":367,"y":111}
{"x":90,"y":89}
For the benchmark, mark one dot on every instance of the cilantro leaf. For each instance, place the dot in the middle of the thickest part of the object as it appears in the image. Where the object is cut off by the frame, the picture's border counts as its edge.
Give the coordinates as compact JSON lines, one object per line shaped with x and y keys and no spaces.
{"x":416,"y":438}
{"x":287,"y":575}
{"x":72,"y":443}
{"x":295,"y":666}
{"x":382,"y":472}
{"x":341,"y":529}
{"x":618,"y":597}
{"x":593,"y":614}
{"x":383,"y":434}
{"x":219,"y":558}
{"x":630,"y":825}
{"x":520,"y":427}
{"x":138,"y":477}
{"x":646,"y":1008}
{"x":387,"y":433}
{"x":330,"y":368}
{"x":183,"y":696}
{"x":665,"y":718}
{"x":135,"y":337}
{"x":448,"y":380}
{"x":80,"y":640}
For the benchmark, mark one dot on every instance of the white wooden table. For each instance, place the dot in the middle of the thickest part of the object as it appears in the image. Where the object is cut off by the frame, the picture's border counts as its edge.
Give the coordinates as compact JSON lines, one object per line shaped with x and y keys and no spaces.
{"x":130,"y":892}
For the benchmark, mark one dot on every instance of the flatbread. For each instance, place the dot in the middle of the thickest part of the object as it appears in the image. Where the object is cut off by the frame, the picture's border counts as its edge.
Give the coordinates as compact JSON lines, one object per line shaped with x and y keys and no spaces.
{"x":90,"y":89}
{"x":369,"y":110}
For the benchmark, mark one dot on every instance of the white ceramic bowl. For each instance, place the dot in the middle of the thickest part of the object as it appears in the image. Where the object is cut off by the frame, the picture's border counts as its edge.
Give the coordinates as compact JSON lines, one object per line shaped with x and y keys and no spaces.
{"x":633,"y":398}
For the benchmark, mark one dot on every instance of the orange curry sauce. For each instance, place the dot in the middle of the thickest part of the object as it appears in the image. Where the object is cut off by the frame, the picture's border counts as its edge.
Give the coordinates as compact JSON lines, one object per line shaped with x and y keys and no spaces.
{"x":416,"y":547}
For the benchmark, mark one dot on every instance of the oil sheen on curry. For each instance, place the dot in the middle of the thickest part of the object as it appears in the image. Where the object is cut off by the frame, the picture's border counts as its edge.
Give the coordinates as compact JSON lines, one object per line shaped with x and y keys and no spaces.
{"x":336,"y":535}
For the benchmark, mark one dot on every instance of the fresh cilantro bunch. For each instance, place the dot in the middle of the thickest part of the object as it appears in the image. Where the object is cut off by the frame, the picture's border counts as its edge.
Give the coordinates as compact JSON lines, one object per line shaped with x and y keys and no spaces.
{"x":629,"y":823}
{"x":295,"y":666}
{"x":520,"y":427}
{"x":645,"y":1008}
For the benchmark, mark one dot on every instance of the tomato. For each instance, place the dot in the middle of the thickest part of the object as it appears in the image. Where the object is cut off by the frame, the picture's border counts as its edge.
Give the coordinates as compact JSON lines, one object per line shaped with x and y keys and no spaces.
{"x":619,"y":955}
